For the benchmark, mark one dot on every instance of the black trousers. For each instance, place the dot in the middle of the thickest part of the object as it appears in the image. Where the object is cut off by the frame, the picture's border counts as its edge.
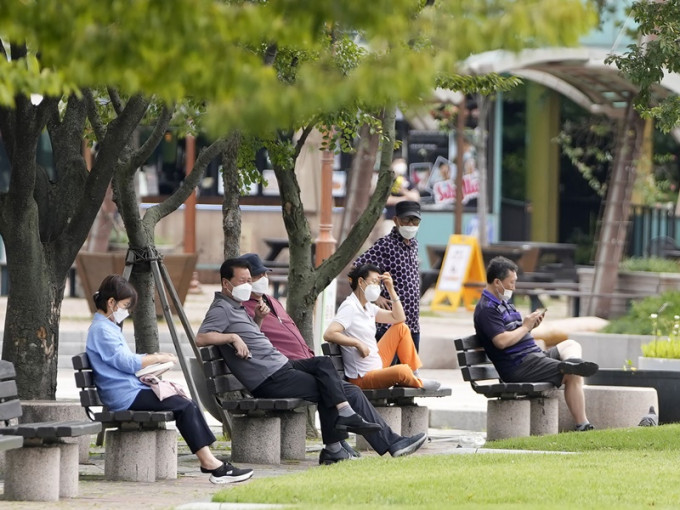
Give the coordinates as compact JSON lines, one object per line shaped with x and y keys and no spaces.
{"x":188,"y":417}
{"x":316,"y":380}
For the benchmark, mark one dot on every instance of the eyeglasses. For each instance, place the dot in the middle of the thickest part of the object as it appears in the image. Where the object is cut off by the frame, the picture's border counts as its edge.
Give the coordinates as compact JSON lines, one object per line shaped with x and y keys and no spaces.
{"x":410,"y":220}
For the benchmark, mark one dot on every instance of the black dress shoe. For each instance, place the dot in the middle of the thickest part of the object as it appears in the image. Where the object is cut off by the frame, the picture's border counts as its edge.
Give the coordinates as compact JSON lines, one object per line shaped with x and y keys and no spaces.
{"x":356,"y":424}
{"x":352,"y":452}
{"x":327,"y":457}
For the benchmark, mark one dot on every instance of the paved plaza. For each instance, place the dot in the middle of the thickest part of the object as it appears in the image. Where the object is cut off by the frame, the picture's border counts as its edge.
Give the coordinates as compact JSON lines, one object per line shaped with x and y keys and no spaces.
{"x":449,"y":416}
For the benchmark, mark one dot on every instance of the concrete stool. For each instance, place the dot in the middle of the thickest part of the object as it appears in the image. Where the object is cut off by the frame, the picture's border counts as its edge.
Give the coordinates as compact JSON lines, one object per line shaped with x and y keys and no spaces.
{"x":392,"y":415}
{"x":544,"y":416}
{"x":609,"y":407}
{"x":414,"y":420}
{"x":32,"y":473}
{"x":293,"y":435}
{"x":68,"y":470}
{"x":35,"y":411}
{"x":256,"y":439}
{"x":166,"y":454}
{"x":507,"y":418}
{"x":130,"y":455}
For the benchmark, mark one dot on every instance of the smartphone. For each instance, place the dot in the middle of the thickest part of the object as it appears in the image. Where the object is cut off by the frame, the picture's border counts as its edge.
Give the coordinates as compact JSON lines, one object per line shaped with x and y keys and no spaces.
{"x":543,"y":311}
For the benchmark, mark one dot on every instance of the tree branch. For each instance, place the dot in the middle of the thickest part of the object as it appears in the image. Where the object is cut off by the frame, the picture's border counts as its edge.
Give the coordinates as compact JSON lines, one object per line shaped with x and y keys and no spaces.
{"x":303,"y":137}
{"x":144,"y":152}
{"x":93,"y":115}
{"x":332,"y":266}
{"x":117,"y":136}
{"x":270,"y":54}
{"x":115,"y":100}
{"x":156,"y":213}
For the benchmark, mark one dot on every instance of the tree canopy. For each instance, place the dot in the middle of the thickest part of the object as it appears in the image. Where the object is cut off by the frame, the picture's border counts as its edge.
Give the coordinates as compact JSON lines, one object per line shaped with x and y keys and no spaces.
{"x":654,"y":57}
{"x":217,"y":50}
{"x":262,"y":67}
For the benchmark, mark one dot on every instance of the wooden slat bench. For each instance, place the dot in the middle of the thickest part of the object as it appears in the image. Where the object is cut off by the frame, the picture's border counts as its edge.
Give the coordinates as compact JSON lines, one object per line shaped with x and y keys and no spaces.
{"x":46,"y":467}
{"x":396,"y":404}
{"x":514,"y":409}
{"x":138,"y":446}
{"x":264,"y":430}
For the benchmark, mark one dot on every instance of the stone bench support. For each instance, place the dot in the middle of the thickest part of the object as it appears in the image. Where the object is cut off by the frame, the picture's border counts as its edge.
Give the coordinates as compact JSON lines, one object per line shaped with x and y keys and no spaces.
{"x":42,"y":472}
{"x":256,"y":439}
{"x":414,"y":420}
{"x":293,"y":435}
{"x":507,"y":418}
{"x":544,"y":416}
{"x":140,"y":455}
{"x":391,"y":415}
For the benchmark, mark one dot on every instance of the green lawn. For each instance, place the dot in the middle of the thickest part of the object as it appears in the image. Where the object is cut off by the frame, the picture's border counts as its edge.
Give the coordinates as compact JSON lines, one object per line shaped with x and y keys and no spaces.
{"x":633,"y":468}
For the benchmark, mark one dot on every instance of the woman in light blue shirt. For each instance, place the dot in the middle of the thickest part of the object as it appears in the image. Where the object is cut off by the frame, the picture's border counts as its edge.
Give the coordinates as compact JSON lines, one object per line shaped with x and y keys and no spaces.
{"x":114,"y":366}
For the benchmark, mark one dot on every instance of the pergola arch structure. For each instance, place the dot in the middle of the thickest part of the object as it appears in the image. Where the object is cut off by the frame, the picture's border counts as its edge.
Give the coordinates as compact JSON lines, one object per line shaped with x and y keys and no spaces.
{"x":583,"y":76}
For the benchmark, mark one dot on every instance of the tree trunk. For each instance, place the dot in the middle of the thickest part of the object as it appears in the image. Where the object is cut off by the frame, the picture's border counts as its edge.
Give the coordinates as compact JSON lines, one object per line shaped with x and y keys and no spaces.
{"x":44,"y":222}
{"x":31,"y":337}
{"x":305,"y":282}
{"x":231,"y":213}
{"x":144,"y":314}
{"x":301,"y":272}
{"x":615,"y":216}
{"x":359,"y":180}
{"x":358,"y":194}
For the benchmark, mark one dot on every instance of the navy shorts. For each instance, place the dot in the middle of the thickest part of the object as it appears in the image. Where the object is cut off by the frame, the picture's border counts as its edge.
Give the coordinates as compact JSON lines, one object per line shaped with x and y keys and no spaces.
{"x":538,"y":367}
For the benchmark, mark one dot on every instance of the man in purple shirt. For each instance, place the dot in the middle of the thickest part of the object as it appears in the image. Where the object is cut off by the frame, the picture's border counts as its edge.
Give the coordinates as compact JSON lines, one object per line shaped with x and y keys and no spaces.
{"x":508,"y":342}
{"x":397,"y":254}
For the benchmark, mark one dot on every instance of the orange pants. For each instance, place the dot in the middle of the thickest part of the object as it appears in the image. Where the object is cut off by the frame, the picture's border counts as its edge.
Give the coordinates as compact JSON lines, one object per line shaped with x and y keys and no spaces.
{"x":397,"y":340}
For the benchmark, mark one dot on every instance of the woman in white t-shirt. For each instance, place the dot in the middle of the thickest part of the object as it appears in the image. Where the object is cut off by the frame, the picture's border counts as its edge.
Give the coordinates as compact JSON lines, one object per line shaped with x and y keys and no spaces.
{"x":368,"y":363}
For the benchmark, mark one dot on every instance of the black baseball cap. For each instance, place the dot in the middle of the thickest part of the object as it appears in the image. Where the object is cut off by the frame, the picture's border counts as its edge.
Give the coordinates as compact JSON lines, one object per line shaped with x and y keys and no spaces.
{"x":407,"y":208}
{"x":256,"y":265}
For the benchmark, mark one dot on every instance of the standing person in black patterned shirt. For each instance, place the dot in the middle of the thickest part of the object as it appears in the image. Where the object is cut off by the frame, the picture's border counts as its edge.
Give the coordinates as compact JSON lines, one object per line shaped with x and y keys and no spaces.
{"x":397,"y":254}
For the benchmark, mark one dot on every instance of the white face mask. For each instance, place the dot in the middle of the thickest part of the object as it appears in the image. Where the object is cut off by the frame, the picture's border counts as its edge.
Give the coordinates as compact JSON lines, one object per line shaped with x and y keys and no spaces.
{"x":507,"y":294}
{"x":241,"y":292}
{"x":372,"y":292}
{"x":261,"y":286}
{"x":120,"y":315}
{"x":408,"y":231}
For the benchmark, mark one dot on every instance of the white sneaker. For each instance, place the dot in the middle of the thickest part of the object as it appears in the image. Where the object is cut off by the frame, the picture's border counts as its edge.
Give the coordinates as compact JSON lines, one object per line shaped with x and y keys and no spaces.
{"x":430,"y":384}
{"x":227,"y":473}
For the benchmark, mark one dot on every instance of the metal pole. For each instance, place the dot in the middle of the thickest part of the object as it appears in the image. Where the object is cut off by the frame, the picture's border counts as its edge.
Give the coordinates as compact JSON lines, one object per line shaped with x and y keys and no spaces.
{"x":460,"y":128}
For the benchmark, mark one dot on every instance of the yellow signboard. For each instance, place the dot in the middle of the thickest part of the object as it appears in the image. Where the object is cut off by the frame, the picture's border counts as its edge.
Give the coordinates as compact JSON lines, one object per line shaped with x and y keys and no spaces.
{"x":462,"y":275}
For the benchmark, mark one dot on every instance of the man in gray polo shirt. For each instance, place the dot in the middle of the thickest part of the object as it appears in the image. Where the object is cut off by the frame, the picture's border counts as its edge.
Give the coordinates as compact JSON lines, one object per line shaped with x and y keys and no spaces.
{"x":267,"y":373}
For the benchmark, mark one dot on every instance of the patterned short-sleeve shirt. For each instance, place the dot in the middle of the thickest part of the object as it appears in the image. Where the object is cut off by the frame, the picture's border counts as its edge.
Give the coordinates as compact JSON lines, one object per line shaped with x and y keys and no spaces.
{"x":390,"y":253}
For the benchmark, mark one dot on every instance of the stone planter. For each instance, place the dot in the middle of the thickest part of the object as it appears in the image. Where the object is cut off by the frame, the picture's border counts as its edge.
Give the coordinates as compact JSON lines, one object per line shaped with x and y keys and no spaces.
{"x":645,"y":363}
{"x":610,"y":350}
{"x":645,"y":283}
{"x":666,"y":383}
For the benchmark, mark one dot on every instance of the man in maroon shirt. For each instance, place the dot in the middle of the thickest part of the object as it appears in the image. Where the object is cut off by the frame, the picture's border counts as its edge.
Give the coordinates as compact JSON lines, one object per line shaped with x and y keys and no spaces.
{"x":276,"y":324}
